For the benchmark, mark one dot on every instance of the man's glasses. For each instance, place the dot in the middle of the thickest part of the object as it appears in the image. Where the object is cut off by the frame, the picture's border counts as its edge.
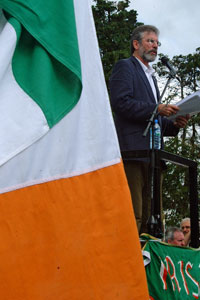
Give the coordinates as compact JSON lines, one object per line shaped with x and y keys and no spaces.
{"x":151,"y":41}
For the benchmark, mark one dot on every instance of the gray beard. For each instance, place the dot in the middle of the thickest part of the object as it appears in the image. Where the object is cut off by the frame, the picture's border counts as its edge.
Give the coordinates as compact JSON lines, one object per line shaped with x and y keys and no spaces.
{"x":148,"y":57}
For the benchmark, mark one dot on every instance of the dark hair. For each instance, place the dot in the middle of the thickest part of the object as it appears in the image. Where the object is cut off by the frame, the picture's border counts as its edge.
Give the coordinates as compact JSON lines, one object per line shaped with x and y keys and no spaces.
{"x":170,"y":233}
{"x":138,"y":33}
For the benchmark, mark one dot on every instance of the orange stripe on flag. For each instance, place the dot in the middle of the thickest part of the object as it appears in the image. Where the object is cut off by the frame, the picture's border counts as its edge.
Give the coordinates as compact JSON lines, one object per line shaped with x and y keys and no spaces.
{"x":73,"y":239}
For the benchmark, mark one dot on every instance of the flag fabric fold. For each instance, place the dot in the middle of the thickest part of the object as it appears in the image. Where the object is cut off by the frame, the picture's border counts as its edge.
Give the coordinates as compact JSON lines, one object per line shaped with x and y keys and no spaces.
{"x":43,"y":70}
{"x":67,"y":224}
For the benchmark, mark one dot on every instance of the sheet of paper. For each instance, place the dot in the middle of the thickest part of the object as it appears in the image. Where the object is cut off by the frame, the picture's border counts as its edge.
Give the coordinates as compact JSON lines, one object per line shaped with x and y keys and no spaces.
{"x":189,"y":105}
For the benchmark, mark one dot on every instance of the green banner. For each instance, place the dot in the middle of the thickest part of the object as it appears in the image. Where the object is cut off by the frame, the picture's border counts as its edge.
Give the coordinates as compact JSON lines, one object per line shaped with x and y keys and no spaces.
{"x":173,"y":272}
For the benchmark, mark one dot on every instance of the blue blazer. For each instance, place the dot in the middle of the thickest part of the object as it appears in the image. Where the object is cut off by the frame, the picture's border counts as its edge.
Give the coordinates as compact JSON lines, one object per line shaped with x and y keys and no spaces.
{"x":133,"y":102}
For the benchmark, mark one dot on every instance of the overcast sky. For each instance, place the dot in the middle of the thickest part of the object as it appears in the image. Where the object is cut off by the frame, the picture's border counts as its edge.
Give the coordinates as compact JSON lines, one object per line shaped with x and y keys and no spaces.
{"x":177,"y":20}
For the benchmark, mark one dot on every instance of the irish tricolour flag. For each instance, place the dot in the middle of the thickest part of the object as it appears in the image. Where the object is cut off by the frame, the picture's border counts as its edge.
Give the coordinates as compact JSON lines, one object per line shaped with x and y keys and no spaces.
{"x":67,"y":226}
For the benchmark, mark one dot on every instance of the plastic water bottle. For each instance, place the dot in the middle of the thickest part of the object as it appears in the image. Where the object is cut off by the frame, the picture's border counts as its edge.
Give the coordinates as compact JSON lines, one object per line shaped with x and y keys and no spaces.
{"x":157,"y":136}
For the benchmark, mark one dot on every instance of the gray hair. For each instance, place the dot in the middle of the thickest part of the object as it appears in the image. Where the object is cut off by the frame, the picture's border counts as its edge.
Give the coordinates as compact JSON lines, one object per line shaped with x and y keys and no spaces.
{"x":170,"y":233}
{"x":184,"y":220}
{"x":139,"y":31}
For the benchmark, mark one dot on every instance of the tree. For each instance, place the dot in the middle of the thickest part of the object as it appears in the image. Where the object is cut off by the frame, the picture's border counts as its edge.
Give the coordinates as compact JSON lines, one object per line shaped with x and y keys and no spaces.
{"x":186,"y":144}
{"x":114,"y":25}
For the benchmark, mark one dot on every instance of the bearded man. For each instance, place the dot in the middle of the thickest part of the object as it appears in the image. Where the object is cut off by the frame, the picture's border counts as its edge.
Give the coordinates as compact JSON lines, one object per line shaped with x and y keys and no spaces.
{"x":134,"y":95}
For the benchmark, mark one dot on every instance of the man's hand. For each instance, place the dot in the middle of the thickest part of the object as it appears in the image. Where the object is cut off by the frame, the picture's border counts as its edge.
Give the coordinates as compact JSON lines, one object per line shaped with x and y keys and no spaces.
{"x":167,"y":109}
{"x":181,"y":121}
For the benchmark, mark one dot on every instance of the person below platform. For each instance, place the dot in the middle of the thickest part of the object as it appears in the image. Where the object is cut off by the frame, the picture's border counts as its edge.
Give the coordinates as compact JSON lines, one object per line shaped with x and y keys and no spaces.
{"x":174,"y":236}
{"x":186,"y":229}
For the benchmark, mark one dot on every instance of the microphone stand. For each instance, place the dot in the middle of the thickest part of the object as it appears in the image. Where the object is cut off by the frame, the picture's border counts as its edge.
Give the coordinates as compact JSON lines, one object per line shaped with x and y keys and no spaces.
{"x":154,"y":221}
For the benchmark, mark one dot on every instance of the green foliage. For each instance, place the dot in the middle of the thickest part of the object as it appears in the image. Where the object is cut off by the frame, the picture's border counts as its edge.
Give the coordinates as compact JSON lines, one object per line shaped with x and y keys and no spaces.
{"x":187,"y":143}
{"x":114,"y":25}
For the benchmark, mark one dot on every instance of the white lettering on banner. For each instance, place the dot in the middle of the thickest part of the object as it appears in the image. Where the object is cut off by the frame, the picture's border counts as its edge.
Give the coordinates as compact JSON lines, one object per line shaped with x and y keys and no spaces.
{"x":163,"y":275}
{"x":173,"y":275}
{"x":189,"y":266}
{"x":169,"y":269}
{"x":183,"y":276}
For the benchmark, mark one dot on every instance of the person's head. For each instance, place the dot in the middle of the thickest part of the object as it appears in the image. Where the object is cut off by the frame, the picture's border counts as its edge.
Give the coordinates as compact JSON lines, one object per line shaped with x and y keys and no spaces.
{"x":174,"y":236}
{"x":144,"y":43}
{"x":185,"y":225}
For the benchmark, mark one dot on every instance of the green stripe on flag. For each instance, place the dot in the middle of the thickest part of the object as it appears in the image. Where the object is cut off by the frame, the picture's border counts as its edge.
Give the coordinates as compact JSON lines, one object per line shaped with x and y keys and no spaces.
{"x":46,"y":62}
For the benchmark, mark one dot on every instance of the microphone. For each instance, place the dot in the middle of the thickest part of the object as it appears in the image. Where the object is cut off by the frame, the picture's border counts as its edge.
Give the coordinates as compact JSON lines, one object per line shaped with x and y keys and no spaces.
{"x":165,"y":62}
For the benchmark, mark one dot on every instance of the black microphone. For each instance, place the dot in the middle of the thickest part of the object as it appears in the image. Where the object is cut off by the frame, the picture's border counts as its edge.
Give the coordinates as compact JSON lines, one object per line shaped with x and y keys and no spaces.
{"x":165,"y":62}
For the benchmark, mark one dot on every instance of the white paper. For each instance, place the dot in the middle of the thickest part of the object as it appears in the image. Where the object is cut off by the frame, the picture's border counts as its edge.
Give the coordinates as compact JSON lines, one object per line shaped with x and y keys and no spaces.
{"x":189,"y":105}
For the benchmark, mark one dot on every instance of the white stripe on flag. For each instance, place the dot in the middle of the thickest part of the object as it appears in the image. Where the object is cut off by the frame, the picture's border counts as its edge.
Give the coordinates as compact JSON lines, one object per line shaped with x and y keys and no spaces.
{"x":20,"y":116}
{"x":85,"y":139}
